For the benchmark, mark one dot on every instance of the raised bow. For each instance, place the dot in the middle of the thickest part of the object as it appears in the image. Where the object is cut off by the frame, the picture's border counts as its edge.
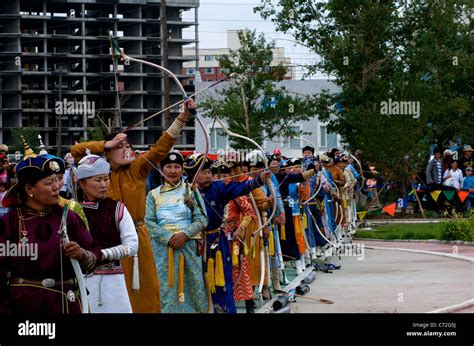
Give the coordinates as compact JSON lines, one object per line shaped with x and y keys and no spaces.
{"x":75,"y":264}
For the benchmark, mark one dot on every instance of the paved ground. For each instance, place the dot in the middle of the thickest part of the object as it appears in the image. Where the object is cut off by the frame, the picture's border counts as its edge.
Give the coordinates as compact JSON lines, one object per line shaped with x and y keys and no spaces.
{"x":393,"y":281}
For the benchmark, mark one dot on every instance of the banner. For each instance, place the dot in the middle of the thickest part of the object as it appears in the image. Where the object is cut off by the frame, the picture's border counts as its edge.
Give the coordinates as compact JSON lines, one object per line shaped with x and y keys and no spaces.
{"x":435,"y":194}
{"x":390,"y":209}
{"x":361,"y":215}
{"x":462,"y":195}
{"x":449,"y":194}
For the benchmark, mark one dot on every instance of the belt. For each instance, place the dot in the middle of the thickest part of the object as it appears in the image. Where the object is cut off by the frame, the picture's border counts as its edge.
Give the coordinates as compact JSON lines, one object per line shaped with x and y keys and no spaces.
{"x":46,"y":283}
{"x":109,"y":268}
{"x":213,"y":231}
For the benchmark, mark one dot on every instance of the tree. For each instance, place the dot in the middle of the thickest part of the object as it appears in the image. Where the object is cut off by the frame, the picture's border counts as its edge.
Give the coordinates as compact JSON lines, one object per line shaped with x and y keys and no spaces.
{"x":381,"y":51}
{"x":253,"y":106}
{"x":31,"y":136}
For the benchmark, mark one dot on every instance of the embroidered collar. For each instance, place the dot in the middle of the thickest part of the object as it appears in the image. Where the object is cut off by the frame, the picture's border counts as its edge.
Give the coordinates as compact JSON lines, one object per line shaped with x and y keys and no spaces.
{"x":90,"y":205}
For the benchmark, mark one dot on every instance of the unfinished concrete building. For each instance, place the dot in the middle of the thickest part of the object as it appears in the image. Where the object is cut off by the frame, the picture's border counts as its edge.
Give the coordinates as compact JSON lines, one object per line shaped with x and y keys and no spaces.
{"x":55,"y":52}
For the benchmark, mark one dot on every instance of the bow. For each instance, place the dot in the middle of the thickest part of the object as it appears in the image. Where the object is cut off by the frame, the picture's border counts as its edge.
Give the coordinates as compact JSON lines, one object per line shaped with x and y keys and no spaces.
{"x":75,"y":265}
{"x":320,"y":183}
{"x":262,"y":256}
{"x":265,"y":161}
{"x":273,"y":193}
{"x":360,"y":169}
{"x":125,"y":57}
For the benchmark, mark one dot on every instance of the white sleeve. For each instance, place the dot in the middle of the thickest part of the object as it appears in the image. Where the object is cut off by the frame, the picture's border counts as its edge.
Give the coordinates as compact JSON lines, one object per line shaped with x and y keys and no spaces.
{"x":128,"y":233}
{"x":129,"y":238}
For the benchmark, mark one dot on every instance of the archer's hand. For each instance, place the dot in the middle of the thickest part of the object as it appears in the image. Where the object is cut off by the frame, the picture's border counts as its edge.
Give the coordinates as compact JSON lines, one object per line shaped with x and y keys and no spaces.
{"x":187,"y":105}
{"x":265,"y":175}
{"x":266,"y":232}
{"x":238,"y":232}
{"x":74,"y":251}
{"x":119,"y":138}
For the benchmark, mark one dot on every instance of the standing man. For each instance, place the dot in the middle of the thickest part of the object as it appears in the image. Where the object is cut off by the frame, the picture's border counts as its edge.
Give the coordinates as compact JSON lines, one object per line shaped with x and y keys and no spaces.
{"x":434,"y":178}
{"x":467,"y":160}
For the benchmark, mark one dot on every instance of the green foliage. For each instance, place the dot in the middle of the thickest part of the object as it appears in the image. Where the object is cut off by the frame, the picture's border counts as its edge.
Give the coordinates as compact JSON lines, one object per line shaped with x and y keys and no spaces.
{"x":461,"y":229}
{"x":404,"y":231}
{"x":246,"y":104}
{"x":31,"y":136}
{"x":419,"y":51}
{"x":96,"y":133}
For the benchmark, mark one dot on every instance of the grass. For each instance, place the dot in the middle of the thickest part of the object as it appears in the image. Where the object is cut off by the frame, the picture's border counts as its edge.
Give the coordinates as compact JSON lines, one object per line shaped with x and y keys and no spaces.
{"x":403,"y":231}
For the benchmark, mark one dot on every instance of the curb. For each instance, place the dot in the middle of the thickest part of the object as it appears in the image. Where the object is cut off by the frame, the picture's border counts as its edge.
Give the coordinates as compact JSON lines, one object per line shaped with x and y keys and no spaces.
{"x":453,"y":308}
{"x":434,"y":241}
{"x":459,"y":257}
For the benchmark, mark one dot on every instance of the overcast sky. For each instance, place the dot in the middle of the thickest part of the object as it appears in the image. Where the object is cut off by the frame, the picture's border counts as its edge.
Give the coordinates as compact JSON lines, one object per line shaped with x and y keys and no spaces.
{"x":218,"y":16}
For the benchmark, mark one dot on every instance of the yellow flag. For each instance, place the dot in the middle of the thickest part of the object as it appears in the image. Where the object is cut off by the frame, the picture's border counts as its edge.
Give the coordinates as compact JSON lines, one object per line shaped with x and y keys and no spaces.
{"x":361,"y":214}
{"x":435,"y":194}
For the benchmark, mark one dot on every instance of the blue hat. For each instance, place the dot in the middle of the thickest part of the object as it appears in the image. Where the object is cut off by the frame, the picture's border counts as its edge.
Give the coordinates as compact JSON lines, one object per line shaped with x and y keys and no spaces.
{"x":30,"y":170}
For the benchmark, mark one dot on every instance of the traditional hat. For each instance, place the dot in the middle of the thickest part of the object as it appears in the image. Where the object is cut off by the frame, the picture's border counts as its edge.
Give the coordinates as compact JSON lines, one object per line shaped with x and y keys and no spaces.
{"x":92,"y":165}
{"x":255,"y":159}
{"x":30,"y":170}
{"x":44,"y":152}
{"x":221,"y":166}
{"x":193,"y":162}
{"x":172,"y":157}
{"x":325,"y":158}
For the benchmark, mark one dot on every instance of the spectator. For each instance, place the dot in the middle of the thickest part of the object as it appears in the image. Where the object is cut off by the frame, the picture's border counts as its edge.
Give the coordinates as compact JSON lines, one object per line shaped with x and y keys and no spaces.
{"x":453,"y":177}
{"x":434,"y":178}
{"x":4,"y":168}
{"x":447,"y":155}
{"x":277,"y":155}
{"x":468,"y":185}
{"x":434,"y":170}
{"x":453,"y":180}
{"x":68,"y":190}
{"x":467,"y":160}
{"x":3,"y":191}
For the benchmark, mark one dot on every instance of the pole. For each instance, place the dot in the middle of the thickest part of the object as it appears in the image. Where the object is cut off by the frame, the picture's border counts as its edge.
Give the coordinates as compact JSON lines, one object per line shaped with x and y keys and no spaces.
{"x":60,"y":119}
{"x":166,"y":80}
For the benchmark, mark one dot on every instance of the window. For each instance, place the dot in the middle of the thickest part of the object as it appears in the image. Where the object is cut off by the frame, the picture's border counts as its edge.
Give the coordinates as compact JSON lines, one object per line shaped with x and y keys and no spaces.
{"x":218,"y":139}
{"x":189,"y":71}
{"x":225,"y":70}
{"x":292,"y":142}
{"x":208,"y":57}
{"x":209,"y":70}
{"x":328,"y":140}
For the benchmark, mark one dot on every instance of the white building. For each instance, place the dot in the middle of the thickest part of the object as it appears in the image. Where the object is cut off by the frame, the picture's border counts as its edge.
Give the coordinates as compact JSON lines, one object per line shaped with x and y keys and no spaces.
{"x":218,"y":141}
{"x":209,"y":68}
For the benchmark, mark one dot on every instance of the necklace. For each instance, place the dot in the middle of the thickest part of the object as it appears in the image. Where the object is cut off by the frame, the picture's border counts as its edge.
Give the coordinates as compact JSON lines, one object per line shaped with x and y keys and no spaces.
{"x":23,"y":234}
